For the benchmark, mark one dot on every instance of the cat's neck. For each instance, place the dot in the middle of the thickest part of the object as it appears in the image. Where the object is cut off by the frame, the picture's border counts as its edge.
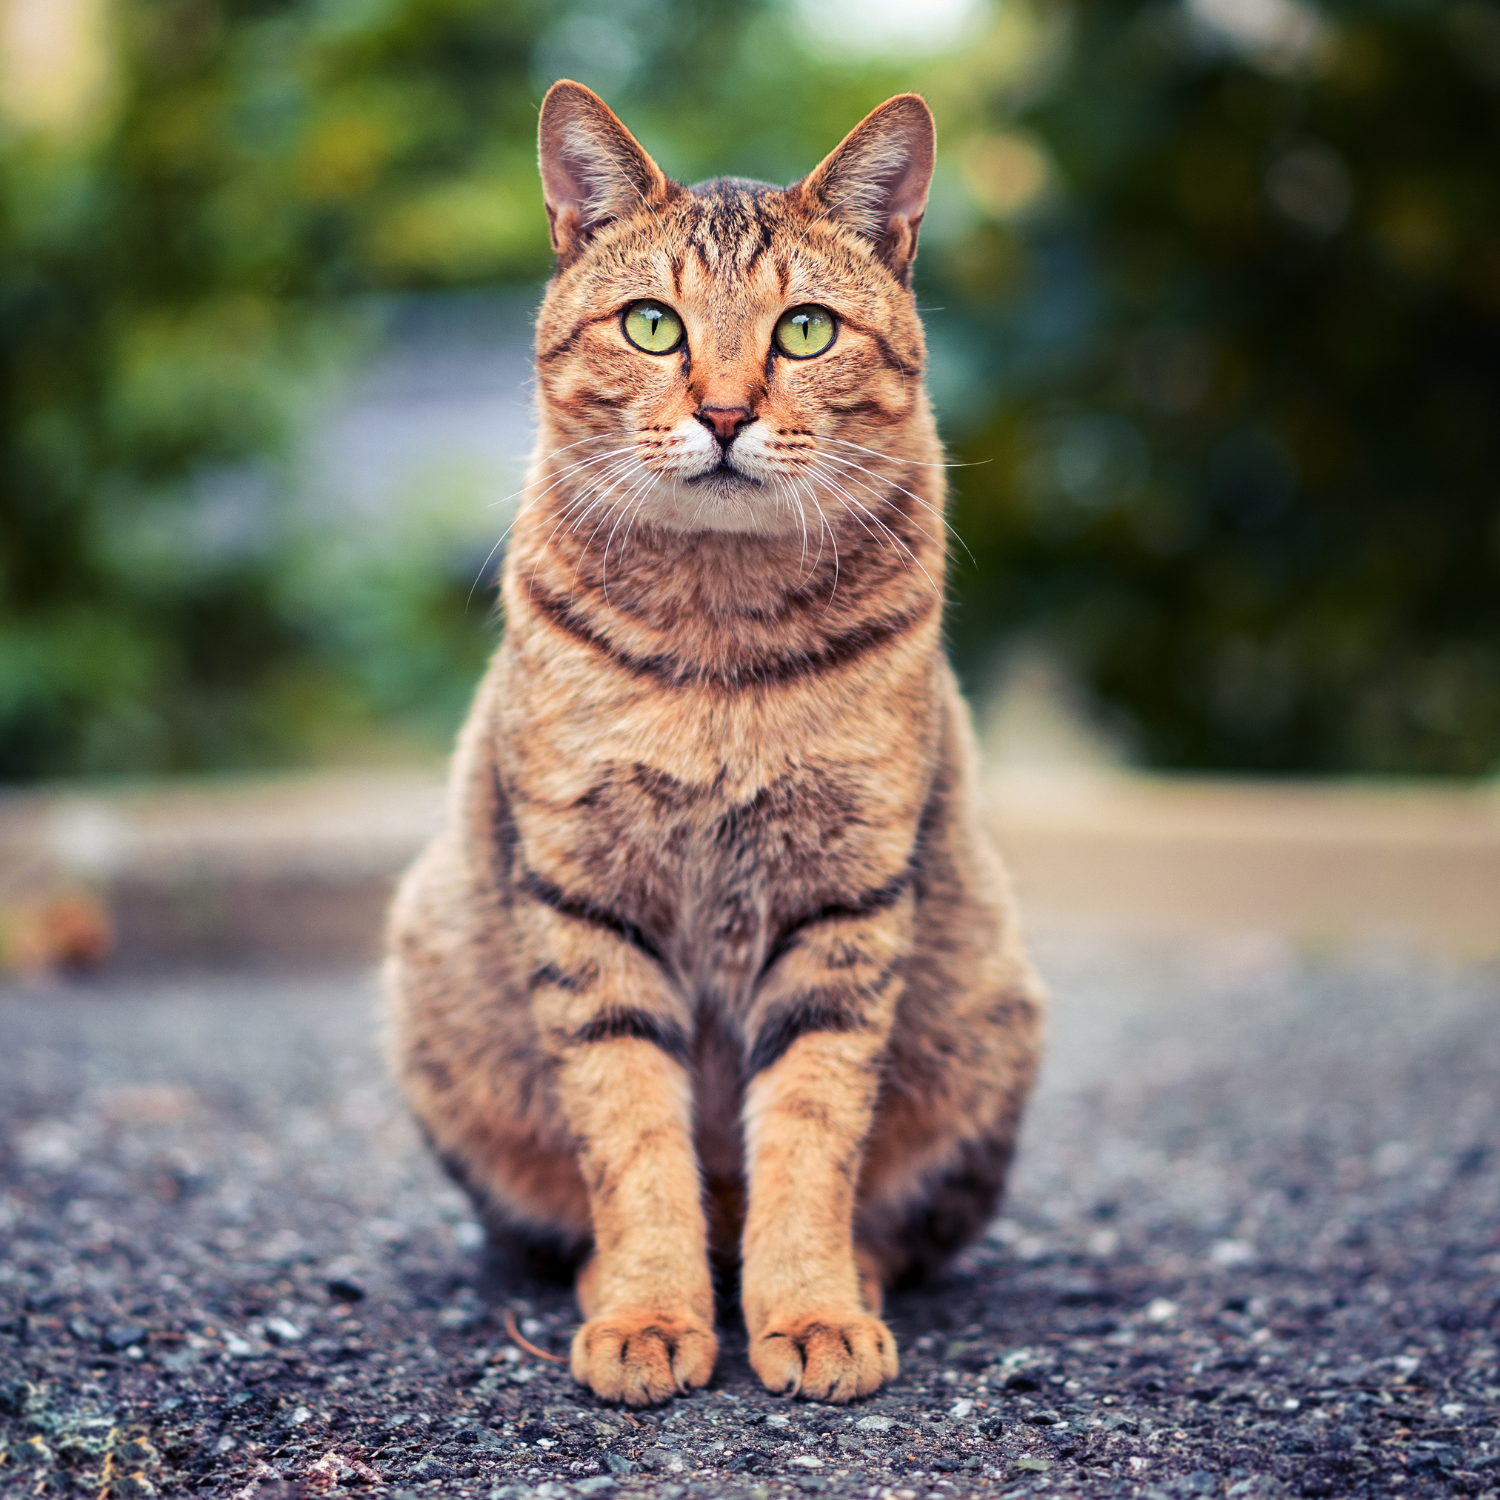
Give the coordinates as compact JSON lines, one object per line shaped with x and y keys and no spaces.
{"x":846,"y":560}
{"x":742,"y":607}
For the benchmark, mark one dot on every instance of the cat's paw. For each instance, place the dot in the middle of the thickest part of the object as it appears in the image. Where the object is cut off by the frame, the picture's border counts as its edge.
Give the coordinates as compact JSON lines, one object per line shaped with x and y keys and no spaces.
{"x":643,"y":1356}
{"x":825,"y":1356}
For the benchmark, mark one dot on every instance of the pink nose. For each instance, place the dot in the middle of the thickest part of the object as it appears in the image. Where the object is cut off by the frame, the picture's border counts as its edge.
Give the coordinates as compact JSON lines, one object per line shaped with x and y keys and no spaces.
{"x":724,"y":421}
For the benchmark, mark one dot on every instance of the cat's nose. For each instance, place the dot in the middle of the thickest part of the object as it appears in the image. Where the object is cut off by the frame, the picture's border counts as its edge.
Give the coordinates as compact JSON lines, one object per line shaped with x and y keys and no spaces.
{"x":724,"y":421}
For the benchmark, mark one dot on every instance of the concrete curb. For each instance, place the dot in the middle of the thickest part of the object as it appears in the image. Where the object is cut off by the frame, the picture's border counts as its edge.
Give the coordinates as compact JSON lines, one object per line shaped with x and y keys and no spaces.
{"x":293,"y":870}
{"x":296,"y":870}
{"x":1322,"y":862}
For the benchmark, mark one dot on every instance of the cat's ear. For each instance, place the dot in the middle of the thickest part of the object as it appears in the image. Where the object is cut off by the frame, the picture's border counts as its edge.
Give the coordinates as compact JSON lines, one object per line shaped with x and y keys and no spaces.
{"x":876,"y":179}
{"x":593,"y":169}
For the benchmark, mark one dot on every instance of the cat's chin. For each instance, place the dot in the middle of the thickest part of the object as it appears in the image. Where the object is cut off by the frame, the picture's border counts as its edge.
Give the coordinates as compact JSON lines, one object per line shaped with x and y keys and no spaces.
{"x":720,"y":500}
{"x":724,"y":483}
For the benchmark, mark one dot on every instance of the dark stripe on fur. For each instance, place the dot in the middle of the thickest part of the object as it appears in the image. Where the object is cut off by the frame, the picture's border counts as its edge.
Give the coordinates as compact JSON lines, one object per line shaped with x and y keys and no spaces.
{"x":871,"y":410}
{"x":928,"y":824}
{"x":583,"y":910}
{"x":625,"y":1021}
{"x":816,"y":1010}
{"x":864,"y":905}
{"x":772,"y":671}
{"x":549,"y":976}
{"x":562,"y":346}
{"x":887,"y":351}
{"x":763,"y":240}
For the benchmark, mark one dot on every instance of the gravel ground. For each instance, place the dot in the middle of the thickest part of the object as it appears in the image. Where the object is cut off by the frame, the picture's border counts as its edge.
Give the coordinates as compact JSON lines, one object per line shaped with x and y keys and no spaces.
{"x":1252,"y":1249}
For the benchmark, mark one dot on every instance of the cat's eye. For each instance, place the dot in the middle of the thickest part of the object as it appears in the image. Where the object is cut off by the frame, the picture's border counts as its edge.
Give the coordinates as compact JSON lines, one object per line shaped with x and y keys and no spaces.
{"x":805,"y":331}
{"x":652,"y":327}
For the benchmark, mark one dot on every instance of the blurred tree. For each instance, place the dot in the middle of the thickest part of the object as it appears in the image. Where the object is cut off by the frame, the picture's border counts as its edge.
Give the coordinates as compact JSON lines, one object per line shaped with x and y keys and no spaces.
{"x":173,"y":281}
{"x":170,"y":285}
{"x":1248,"y":479}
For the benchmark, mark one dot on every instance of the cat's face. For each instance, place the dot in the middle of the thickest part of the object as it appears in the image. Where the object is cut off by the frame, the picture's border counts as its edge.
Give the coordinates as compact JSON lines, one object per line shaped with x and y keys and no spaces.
{"x":733,"y":356}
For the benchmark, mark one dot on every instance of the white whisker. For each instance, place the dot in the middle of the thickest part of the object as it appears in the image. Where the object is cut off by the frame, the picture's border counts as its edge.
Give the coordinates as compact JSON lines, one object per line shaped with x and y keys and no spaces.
{"x":580,"y":508}
{"x":824,"y":526}
{"x":642,"y":488}
{"x":915,"y":463}
{"x":536,"y":500}
{"x":900,"y":489}
{"x":832,"y":481}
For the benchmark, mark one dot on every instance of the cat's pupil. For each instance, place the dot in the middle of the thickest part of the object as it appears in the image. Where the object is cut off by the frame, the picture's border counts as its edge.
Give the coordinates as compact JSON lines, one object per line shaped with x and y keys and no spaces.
{"x":802,"y":322}
{"x":655,"y":317}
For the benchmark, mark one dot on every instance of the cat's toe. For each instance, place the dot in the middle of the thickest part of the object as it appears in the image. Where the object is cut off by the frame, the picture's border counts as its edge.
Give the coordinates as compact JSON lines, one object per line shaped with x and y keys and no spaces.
{"x":825,"y":1356}
{"x":643,"y":1356}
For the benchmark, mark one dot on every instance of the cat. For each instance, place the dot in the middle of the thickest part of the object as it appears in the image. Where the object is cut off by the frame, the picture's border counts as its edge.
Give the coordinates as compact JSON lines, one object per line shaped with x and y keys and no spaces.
{"x":712,"y":966}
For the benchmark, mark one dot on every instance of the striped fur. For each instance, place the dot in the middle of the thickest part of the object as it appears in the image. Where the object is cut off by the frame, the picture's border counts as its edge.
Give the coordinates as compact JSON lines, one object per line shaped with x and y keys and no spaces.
{"x":711,"y":965}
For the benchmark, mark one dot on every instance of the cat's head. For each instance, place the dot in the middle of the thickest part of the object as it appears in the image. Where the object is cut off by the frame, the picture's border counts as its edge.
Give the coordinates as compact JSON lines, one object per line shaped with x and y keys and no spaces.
{"x":730,"y":356}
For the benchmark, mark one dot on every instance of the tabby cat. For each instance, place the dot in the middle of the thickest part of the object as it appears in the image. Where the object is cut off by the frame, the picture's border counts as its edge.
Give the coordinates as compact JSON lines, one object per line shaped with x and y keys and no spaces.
{"x":711,"y":967}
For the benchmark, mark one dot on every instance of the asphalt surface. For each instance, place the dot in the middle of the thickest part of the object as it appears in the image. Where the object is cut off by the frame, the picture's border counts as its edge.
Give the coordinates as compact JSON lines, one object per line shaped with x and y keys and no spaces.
{"x":1252,"y":1249}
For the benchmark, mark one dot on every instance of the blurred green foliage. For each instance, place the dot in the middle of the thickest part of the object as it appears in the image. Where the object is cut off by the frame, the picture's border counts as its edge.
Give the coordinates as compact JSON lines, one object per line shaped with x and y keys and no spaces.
{"x":1215,"y":327}
{"x":170,"y":291}
{"x":177,"y":288}
{"x":1249,"y":482}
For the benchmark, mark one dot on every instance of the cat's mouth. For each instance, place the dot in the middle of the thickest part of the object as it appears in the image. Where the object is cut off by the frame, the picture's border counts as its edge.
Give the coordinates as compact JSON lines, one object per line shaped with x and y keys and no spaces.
{"x":725,"y":477}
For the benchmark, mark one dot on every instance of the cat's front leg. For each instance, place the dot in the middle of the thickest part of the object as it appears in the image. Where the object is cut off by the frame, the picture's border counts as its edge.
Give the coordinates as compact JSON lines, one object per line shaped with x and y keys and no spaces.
{"x":823,"y":1018}
{"x":621,"y":1054}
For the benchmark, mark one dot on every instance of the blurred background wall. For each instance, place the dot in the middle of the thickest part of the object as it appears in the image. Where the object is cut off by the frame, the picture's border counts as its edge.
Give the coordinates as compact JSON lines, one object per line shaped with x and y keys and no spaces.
{"x":1213,"y":289}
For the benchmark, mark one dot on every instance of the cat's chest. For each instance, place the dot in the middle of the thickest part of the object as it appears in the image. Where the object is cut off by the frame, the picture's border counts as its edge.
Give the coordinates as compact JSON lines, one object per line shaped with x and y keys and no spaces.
{"x":715,"y":875}
{"x":710,"y":854}
{"x":713,"y":820}
{"x":634,"y":830}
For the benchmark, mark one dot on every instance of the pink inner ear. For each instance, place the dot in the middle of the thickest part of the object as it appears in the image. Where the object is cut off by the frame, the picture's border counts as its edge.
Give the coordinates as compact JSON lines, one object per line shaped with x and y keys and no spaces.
{"x":592,"y":168}
{"x":907,"y":194}
{"x":879,"y":175}
{"x":570,"y":172}
{"x":575,"y":163}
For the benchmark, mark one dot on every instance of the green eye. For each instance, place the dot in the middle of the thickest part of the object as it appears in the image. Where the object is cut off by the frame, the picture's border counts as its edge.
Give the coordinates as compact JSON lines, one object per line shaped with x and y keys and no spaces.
{"x":652,"y":327}
{"x":805,"y":331}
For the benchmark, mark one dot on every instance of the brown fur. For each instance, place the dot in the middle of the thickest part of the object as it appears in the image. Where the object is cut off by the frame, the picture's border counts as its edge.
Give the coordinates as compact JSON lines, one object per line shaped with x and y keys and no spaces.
{"x":711,"y":959}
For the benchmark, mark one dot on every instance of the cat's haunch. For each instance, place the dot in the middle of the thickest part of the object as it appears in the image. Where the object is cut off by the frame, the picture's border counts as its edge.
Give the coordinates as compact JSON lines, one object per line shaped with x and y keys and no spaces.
{"x":712,"y":965}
